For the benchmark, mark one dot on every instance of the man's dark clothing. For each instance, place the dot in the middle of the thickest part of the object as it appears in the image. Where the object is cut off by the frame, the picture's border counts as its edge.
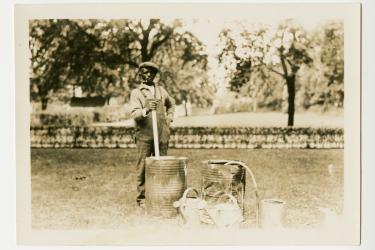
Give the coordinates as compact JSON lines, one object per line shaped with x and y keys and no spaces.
{"x":143,"y":127}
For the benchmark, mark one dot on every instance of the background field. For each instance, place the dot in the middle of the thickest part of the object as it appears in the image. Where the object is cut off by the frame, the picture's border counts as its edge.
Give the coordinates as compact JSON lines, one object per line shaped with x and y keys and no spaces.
{"x":95,"y":188}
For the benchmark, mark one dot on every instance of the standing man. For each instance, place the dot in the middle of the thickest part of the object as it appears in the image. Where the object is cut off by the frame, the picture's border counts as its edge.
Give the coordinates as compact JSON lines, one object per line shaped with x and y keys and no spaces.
{"x":146,"y":97}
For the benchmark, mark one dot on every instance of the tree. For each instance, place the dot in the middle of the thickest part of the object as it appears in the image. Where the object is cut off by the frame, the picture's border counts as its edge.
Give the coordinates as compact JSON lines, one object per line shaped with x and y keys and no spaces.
{"x":47,"y":69}
{"x":102,"y":56}
{"x":292,"y":44}
{"x":283,"y":51}
{"x":247,"y":74}
{"x":265,"y":89}
{"x":322,"y":84}
{"x":185,"y":73}
{"x":332,"y":58}
{"x":68,"y":52}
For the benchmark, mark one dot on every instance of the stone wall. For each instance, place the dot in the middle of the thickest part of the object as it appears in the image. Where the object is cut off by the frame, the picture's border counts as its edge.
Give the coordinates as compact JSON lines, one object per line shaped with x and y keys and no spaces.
{"x":189,"y":137}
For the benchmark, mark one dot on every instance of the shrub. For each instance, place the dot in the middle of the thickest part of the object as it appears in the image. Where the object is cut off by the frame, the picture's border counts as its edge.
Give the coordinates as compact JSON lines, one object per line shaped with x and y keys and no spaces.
{"x":234,"y":108}
{"x":62,"y":118}
{"x":79,"y":116}
{"x":111,"y":114}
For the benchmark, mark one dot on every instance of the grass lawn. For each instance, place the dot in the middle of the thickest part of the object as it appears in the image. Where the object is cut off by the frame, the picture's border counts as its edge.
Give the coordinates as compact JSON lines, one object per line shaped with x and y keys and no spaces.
{"x":95,"y":188}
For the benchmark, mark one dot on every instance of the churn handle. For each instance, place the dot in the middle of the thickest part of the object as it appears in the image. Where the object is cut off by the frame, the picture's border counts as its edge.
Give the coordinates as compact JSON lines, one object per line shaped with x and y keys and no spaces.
{"x":155,"y":133}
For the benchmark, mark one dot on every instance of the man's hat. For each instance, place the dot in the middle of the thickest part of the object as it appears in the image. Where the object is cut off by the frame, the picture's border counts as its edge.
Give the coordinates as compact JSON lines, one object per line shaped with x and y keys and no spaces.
{"x":149,"y":65}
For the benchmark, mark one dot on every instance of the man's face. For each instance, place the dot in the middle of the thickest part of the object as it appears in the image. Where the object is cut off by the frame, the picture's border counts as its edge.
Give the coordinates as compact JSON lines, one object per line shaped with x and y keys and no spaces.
{"x":147,"y":75}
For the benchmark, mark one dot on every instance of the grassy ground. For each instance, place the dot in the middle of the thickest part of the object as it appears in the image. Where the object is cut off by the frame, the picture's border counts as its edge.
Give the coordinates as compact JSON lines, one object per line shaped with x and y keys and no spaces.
{"x":95,"y":188}
{"x":265,"y":119}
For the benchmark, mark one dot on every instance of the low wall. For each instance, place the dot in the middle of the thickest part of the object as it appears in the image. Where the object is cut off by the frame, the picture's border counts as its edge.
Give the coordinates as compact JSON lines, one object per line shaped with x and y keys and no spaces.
{"x":189,"y":137}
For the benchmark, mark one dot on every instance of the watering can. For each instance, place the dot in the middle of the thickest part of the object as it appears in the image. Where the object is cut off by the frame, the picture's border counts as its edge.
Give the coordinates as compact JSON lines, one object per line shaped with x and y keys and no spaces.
{"x":190,"y":209}
{"x":226,"y":213}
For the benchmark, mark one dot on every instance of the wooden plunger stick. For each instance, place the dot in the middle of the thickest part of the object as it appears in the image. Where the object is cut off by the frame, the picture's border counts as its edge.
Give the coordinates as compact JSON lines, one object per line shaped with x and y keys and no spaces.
{"x":155,"y":131}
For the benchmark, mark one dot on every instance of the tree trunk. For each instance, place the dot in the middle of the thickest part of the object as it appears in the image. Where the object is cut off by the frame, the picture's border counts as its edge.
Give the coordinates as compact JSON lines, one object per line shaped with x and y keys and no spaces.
{"x":255,"y":105}
{"x":255,"y":100}
{"x":44,"y":103}
{"x":185,"y":107}
{"x":291,"y":83}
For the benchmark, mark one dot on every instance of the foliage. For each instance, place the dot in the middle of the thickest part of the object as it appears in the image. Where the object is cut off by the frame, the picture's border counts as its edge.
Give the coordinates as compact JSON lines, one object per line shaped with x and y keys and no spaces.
{"x":323,"y":83}
{"x":101,"y":56}
{"x":79,"y":116}
{"x":108,"y":114}
{"x":185,"y":80}
{"x":62,"y":118}
{"x":310,"y":64}
{"x":265,"y":88}
{"x":234,"y":107}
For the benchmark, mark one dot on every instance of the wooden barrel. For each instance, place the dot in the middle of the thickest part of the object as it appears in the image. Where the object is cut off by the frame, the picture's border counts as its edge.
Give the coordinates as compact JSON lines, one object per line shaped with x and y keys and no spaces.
{"x":165,"y":184}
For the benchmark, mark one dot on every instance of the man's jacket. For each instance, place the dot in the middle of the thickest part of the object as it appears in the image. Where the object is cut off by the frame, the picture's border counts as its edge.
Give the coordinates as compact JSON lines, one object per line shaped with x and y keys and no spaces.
{"x":164,"y":112}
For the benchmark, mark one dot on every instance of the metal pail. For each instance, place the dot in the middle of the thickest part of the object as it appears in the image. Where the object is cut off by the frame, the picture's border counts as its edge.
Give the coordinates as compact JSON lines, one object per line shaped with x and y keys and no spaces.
{"x":218,"y":177}
{"x":271,"y":213}
{"x":165,"y":184}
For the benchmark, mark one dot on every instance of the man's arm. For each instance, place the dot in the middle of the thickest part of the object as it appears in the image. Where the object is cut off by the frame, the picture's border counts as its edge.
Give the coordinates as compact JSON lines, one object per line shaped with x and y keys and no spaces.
{"x":170,"y":105}
{"x":137,"y":111}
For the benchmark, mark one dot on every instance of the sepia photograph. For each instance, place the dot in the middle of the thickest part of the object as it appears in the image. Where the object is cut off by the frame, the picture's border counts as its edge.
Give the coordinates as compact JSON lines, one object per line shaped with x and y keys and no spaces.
{"x":173,"y":124}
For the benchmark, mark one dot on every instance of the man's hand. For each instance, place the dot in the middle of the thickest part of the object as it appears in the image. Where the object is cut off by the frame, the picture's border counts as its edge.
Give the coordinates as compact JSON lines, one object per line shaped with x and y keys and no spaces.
{"x":169,"y":121}
{"x":151,"y":104}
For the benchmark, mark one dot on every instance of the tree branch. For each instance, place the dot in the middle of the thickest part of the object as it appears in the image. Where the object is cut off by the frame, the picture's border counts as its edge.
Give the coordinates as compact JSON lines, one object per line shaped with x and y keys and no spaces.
{"x":282,"y":58}
{"x":275,"y":71}
{"x":144,"y":41}
{"x":283,"y":64}
{"x":294,"y":67}
{"x":157,"y":44}
{"x":131,"y":63}
{"x":271,"y":69}
{"x":92,"y":38}
{"x":140,"y":25}
{"x":289,"y":62}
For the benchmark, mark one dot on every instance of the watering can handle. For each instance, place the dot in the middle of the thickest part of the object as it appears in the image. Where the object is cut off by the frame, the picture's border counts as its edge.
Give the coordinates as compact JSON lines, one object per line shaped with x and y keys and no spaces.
{"x":183,"y":198}
{"x":188,"y":190}
{"x":231,"y":198}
